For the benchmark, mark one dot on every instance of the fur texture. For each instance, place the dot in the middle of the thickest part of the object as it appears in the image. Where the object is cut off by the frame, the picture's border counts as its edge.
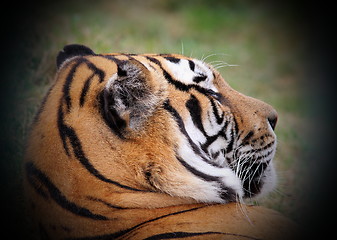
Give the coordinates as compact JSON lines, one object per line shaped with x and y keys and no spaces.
{"x":149,"y":147}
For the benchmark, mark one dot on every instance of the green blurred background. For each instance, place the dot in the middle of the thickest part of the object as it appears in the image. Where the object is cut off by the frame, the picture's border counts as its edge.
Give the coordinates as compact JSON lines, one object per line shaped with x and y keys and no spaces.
{"x":265,"y":45}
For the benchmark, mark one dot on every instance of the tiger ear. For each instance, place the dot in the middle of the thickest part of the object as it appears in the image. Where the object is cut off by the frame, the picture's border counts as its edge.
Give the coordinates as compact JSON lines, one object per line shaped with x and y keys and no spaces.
{"x":72,"y":50}
{"x":130,"y":97}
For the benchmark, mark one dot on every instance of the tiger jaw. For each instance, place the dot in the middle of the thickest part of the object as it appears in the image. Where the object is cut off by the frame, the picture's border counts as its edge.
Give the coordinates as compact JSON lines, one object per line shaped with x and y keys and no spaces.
{"x":251,"y":163}
{"x":248,"y":175}
{"x":243,"y":172}
{"x":243,"y":167}
{"x":254,"y":167}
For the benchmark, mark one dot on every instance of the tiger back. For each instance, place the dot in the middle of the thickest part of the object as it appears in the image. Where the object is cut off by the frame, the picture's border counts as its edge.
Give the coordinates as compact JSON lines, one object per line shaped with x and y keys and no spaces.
{"x":148,"y":146}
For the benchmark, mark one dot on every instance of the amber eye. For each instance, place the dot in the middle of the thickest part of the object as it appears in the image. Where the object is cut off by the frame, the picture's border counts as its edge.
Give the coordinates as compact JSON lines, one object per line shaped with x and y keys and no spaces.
{"x":215,"y":95}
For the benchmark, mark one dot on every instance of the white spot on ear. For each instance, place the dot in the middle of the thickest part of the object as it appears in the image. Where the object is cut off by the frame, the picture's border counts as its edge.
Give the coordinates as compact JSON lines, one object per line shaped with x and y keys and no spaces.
{"x":111,"y":80}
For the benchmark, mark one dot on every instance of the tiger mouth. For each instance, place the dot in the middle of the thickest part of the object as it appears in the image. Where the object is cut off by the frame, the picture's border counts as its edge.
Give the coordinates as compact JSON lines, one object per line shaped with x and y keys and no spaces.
{"x":252,"y":168}
{"x":253,"y":180}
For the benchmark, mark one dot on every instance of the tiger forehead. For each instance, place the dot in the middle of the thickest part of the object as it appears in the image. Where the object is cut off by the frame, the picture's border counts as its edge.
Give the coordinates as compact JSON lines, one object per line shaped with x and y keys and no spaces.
{"x":174,"y":55}
{"x":182,"y":68}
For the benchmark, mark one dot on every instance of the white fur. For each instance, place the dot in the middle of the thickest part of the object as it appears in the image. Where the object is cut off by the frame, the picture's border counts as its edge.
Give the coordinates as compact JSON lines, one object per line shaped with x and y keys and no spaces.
{"x":227,"y":176}
{"x":194,"y":132}
{"x":111,"y":80}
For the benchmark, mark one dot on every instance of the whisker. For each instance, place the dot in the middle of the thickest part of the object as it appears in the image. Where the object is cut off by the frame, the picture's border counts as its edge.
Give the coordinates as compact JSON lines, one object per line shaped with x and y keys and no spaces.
{"x":216,"y":62}
{"x":182,"y":48}
{"x":213,"y":54}
{"x":227,"y":65}
{"x":242,"y":208}
{"x":252,"y":164}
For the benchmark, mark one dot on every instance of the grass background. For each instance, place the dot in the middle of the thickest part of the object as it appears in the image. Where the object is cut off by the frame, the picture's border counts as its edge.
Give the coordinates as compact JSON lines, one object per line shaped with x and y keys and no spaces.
{"x":269,"y":43}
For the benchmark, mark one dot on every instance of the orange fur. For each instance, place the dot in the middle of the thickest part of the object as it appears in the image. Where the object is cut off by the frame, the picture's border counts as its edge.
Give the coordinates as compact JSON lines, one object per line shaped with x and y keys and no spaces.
{"x":93,"y":184}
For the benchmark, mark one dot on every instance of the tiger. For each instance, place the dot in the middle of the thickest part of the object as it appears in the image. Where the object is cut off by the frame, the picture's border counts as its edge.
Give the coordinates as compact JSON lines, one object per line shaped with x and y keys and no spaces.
{"x":149,"y":146}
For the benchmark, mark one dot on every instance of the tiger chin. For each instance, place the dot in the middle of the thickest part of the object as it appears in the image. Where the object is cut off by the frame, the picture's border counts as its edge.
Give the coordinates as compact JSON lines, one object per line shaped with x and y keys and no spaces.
{"x":149,"y":146}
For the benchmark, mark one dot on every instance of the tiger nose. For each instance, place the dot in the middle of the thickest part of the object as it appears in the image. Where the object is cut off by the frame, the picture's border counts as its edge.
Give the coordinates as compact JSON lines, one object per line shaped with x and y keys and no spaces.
{"x":272,"y":118}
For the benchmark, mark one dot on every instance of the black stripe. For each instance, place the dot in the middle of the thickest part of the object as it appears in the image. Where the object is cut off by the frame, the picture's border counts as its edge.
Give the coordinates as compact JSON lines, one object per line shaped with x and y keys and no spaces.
{"x":63,"y":129}
{"x":121,"y":72}
{"x":57,"y":196}
{"x":211,"y":139}
{"x":219,"y":119}
{"x":231,"y":137}
{"x":196,"y":172}
{"x":217,"y":96}
{"x":228,"y":194}
{"x":104,"y":202}
{"x":35,"y":183}
{"x":85,"y":89}
{"x":174,"y":235}
{"x":167,"y":106}
{"x":67,"y":84}
{"x":200,"y":78}
{"x":267,"y":146}
{"x":79,"y":154}
{"x":114,"y":59}
{"x":67,"y":132}
{"x":172,"y":59}
{"x":126,"y":231}
{"x":264,"y":156}
{"x":179,"y":85}
{"x":70,"y":76}
{"x":186,"y":87}
{"x":154,"y":60}
{"x":195,"y":111}
{"x":236,"y":127}
{"x":230,"y":145}
{"x":257,"y":150}
{"x":191,"y":64}
{"x":193,"y":106}
{"x":96,"y":71}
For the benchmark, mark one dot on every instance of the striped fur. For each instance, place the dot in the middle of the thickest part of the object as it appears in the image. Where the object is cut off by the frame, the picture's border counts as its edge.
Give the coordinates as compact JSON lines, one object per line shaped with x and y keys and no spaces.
{"x":148,"y":146}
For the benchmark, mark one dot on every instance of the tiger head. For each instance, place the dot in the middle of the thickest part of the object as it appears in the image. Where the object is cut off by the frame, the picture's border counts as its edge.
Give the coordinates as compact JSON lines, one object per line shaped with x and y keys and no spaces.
{"x":152,"y":123}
